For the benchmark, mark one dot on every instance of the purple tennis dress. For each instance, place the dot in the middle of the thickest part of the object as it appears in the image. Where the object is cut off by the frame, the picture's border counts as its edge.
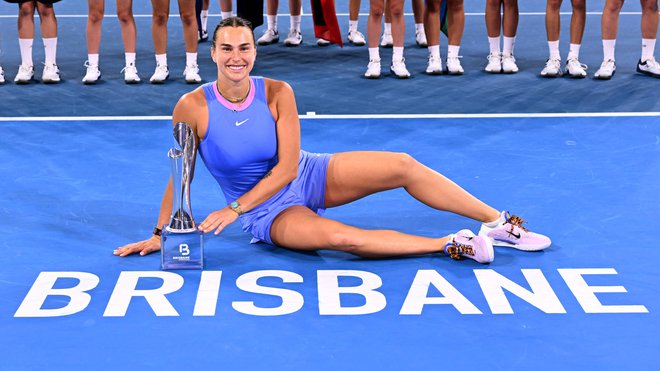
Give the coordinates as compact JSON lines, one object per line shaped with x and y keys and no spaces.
{"x":240,"y":147}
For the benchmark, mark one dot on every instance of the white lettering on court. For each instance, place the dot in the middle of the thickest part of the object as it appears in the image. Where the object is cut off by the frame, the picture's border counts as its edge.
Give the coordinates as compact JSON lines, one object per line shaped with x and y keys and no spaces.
{"x":207,"y":293}
{"x":541,"y":296}
{"x":585,"y":294}
{"x":125,"y":290}
{"x":43,"y":288}
{"x":292,"y":301}
{"x":418,"y":294}
{"x":330,"y":292}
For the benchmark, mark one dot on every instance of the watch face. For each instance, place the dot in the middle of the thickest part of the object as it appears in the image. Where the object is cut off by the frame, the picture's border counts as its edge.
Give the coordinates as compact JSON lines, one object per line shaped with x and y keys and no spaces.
{"x":234,"y":205}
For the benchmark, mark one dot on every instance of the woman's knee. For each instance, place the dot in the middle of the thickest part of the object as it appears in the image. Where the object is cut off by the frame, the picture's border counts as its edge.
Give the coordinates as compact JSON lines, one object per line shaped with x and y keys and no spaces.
{"x":613,"y":6}
{"x":650,"y":6}
{"x":554,"y":4}
{"x":579,"y":7}
{"x":404,"y":166}
{"x":125,"y":15}
{"x":343,"y":240}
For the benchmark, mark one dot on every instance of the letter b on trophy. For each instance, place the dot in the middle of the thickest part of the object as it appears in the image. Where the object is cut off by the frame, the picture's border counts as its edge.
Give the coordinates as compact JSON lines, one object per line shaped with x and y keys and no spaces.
{"x":182,"y":244}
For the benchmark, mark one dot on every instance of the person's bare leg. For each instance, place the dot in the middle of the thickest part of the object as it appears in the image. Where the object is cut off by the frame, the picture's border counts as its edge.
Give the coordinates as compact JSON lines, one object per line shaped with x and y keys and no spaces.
{"x":578,"y":21}
{"x":94,"y":22}
{"x":376,"y":8}
{"x":552,"y":19}
{"x":127,"y":25}
{"x":510,"y":18}
{"x":610,"y":19}
{"x":455,"y":21}
{"x":300,"y":228}
{"x":398,"y":22}
{"x":189,"y":22}
{"x":432,"y":22}
{"x":160,"y":15}
{"x":493,"y":17}
{"x":353,"y":175}
{"x":649,"y":18}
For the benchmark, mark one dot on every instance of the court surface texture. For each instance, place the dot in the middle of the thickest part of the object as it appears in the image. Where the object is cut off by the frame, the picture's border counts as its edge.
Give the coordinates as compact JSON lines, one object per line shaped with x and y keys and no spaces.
{"x":579,"y":160}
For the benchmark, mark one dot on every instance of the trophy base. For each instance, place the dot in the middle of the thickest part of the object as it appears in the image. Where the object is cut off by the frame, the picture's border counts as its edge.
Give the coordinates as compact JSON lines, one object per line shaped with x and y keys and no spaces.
{"x":182,"y":250}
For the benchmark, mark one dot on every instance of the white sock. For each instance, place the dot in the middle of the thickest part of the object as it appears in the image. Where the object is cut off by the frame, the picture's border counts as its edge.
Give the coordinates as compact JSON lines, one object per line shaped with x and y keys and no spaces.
{"x":419,"y":27}
{"x":191,"y":59}
{"x":295,"y":23}
{"x":494,"y":43}
{"x":574,"y":51}
{"x":452,"y":51}
{"x":494,"y":223}
{"x":50,"y":50}
{"x":434,"y":51}
{"x":508,"y":44}
{"x":553,"y":46}
{"x":388,"y":28}
{"x":204,"y":18}
{"x":608,"y":49}
{"x":397,"y":54}
{"x":93,"y":59}
{"x":648,"y":48}
{"x":130,"y":59}
{"x":352,"y":25}
{"x":161,"y":59}
{"x":272,"y":22}
{"x":225,"y":15}
{"x":26,"y":51}
{"x":374,"y":54}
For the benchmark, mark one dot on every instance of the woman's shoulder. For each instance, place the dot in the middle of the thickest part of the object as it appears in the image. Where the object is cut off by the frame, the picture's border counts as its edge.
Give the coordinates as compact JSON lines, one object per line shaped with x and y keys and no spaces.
{"x":193,"y":98}
{"x":274,"y":88}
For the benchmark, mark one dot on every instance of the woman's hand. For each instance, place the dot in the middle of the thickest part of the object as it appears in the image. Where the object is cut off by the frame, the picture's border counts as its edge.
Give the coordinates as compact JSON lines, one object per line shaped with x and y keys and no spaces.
{"x":218,"y":220}
{"x":143,"y":247}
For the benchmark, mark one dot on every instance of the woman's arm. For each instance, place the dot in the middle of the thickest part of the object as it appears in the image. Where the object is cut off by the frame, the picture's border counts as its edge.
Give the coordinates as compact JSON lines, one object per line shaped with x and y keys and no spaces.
{"x":187,"y":110}
{"x":282,"y":104}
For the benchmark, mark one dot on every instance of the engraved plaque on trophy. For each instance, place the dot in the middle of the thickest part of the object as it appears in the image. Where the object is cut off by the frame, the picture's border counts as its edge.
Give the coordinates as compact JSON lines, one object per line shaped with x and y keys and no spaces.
{"x":182,"y":244}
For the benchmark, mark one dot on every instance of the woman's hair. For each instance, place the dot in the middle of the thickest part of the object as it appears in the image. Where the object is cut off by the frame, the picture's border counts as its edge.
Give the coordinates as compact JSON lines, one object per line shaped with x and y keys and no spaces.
{"x":231,"y":22}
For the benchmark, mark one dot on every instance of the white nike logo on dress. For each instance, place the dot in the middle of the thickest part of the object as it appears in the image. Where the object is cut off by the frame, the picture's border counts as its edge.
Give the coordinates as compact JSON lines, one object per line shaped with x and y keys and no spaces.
{"x":241,"y":123}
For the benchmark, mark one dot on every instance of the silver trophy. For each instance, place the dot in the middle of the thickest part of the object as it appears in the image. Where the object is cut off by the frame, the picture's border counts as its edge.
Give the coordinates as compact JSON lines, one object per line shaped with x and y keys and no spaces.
{"x":182,"y":244}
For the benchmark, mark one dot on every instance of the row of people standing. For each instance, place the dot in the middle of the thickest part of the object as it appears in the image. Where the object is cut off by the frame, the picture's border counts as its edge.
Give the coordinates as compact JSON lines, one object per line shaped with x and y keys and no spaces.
{"x":501,"y":24}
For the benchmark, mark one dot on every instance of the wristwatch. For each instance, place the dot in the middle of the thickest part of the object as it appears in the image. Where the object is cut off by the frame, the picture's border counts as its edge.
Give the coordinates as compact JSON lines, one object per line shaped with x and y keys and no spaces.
{"x":237,"y":208}
{"x":157,"y":231}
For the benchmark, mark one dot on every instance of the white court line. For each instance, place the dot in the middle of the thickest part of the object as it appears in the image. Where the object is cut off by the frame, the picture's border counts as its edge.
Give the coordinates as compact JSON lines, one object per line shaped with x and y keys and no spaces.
{"x":312,"y":115}
{"x":173,"y":15}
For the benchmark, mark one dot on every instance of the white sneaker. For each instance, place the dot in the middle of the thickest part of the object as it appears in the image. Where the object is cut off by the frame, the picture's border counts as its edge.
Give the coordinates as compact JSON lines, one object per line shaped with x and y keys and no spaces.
{"x":650,"y":67}
{"x":160,"y":74}
{"x":373,"y":69}
{"x":24,"y":75}
{"x":51,"y":74}
{"x":435,"y":66}
{"x":454,"y":66}
{"x":606,"y":70}
{"x":399,"y":69}
{"x":2,"y":75}
{"x":552,"y":68}
{"x":191,"y":74}
{"x":576,"y":69}
{"x":386,"y":41}
{"x":465,"y":244}
{"x":93,"y":74}
{"x":269,"y":37}
{"x":202,"y":36}
{"x":130,"y":74}
{"x":293,"y":39}
{"x":494,"y":63}
{"x":509,"y":63}
{"x":420,"y":38}
{"x":322,"y":42}
{"x":356,"y":38}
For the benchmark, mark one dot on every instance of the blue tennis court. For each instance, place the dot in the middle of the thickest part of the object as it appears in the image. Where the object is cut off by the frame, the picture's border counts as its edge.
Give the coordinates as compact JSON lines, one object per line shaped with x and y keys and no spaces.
{"x":80,"y":188}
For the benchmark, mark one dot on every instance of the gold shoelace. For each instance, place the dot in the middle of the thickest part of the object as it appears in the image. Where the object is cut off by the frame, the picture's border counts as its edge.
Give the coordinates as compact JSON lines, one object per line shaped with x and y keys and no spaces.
{"x":456,"y":249}
{"x":517,"y":221}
